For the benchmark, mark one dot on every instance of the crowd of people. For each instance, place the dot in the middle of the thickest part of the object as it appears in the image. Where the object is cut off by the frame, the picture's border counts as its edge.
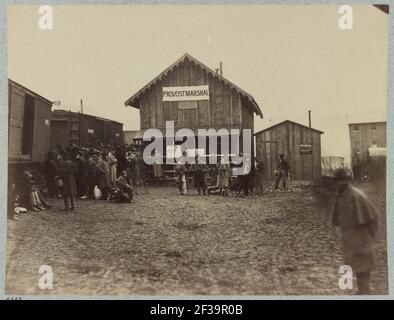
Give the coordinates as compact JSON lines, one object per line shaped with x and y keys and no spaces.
{"x":249,"y":182}
{"x":105,"y":172}
{"x":113,"y":173}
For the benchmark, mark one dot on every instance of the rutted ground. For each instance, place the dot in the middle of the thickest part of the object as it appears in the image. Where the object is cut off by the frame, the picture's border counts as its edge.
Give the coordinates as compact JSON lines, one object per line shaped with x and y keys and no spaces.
{"x":167,"y":244}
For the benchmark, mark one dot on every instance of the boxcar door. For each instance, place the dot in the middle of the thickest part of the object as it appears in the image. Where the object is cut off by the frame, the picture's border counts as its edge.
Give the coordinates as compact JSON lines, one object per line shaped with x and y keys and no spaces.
{"x":17,"y":104}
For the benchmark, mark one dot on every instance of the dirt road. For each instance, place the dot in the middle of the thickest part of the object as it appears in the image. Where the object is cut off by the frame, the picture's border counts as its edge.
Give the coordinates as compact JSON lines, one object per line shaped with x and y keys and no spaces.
{"x":167,"y":244}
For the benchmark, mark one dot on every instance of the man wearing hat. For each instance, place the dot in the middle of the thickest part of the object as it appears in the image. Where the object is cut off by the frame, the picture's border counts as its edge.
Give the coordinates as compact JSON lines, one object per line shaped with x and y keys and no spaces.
{"x":357,"y":219}
{"x":124,"y":186}
{"x":283,"y":172}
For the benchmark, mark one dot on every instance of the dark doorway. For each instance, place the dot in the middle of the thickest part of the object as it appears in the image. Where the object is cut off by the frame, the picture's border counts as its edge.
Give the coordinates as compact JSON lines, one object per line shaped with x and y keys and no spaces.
{"x":28,"y":125}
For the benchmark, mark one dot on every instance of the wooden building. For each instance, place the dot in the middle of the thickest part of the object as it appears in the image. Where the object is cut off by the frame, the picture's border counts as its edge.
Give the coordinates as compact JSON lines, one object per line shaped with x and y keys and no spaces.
{"x":300,"y":144}
{"x":195,"y":97}
{"x":364,"y":136}
{"x":29,"y":126}
{"x":68,"y":128}
{"x":133,"y":137}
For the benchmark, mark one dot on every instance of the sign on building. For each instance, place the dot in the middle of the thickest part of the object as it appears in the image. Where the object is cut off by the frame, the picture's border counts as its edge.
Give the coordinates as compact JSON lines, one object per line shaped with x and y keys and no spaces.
{"x":189,"y":93}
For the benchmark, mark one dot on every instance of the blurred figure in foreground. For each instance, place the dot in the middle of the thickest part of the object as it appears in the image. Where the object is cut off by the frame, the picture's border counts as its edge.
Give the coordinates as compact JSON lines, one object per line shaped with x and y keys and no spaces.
{"x":357,"y":219}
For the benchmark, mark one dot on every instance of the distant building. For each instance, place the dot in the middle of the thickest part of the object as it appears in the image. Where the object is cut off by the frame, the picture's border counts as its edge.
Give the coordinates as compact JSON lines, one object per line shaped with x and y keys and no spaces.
{"x":29,"y":125}
{"x":364,"y":136}
{"x":68,"y":128}
{"x":133,"y":137}
{"x":300,"y":144}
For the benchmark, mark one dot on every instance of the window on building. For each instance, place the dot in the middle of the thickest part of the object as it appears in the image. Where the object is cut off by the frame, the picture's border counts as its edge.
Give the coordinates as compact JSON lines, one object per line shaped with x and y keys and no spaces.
{"x":373,"y":127}
{"x":374,"y":143}
{"x":306,"y":149}
{"x":356,"y":127}
{"x":356,"y":145}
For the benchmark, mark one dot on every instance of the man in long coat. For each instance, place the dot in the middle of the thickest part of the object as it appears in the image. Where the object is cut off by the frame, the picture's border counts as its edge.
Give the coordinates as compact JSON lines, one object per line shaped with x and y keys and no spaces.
{"x":357,"y":219}
{"x":102,"y":168}
{"x":113,"y":163}
{"x":68,"y":170}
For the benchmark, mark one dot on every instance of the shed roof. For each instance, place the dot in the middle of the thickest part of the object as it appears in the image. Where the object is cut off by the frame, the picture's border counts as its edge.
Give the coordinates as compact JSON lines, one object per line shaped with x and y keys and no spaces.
{"x":133,"y":101}
{"x":288,"y":121}
{"x":62,"y":112}
{"x":30,"y":92}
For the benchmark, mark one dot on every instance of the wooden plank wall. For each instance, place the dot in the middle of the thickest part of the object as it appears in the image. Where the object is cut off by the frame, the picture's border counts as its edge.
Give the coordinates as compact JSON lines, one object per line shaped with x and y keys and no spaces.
{"x":223,"y":110}
{"x":287,"y":138}
{"x":41,"y":131}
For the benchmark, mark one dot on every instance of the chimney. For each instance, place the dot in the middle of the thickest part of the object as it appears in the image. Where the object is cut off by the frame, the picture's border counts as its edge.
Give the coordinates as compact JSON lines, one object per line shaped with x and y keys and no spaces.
{"x":81,"y":106}
{"x":221,"y":68}
{"x":310,"y":120}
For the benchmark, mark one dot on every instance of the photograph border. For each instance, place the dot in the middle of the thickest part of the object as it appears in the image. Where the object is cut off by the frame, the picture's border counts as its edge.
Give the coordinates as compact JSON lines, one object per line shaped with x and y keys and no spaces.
{"x":4,"y":147}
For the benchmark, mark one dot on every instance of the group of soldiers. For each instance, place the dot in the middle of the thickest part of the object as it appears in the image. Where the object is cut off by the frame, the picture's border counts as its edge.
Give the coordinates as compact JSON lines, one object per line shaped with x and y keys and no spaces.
{"x":83,"y":172}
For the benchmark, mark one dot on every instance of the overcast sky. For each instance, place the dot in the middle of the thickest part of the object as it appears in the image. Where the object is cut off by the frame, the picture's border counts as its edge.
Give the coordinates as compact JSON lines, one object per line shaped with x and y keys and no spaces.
{"x":290,"y":58}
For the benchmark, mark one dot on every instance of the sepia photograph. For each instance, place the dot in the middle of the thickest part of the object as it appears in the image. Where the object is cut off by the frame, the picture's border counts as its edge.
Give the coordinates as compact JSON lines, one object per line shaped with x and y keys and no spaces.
{"x":196,"y":150}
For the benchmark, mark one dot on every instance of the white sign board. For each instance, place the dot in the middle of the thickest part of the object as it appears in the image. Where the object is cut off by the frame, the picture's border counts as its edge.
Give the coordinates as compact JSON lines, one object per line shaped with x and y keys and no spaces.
{"x":189,"y":93}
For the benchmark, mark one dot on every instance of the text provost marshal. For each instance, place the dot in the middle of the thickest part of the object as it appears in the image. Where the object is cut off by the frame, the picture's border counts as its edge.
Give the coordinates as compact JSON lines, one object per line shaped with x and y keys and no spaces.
{"x":188,"y":93}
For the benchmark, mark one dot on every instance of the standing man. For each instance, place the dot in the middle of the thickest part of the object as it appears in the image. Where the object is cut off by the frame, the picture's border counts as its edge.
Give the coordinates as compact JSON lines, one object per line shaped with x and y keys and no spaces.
{"x":113,"y":163}
{"x":200,"y":171}
{"x":223,"y":180}
{"x":102,"y":168}
{"x":68,"y":170}
{"x":181,"y":171}
{"x":283,"y":172}
{"x":80,"y":175}
{"x":357,"y":219}
{"x":259,"y":178}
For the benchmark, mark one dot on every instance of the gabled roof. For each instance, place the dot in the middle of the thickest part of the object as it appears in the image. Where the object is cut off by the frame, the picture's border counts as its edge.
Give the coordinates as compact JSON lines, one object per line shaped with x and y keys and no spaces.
{"x":288,"y":121}
{"x":133,"y":101}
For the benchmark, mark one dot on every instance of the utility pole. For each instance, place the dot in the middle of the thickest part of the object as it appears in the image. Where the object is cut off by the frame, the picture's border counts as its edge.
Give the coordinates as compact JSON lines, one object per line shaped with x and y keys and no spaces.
{"x":309,"y":117}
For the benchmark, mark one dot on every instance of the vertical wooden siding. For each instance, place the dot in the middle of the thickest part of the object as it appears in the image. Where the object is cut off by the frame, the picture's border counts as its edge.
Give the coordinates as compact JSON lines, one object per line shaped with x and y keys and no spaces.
{"x":287,"y":138}
{"x":222,"y":110}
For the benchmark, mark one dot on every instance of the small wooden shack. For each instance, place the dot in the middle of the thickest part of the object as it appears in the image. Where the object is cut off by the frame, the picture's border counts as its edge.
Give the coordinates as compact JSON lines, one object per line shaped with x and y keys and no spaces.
{"x":68,"y":128}
{"x":300,"y":144}
{"x":29,"y":125}
{"x":195,"y":97}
